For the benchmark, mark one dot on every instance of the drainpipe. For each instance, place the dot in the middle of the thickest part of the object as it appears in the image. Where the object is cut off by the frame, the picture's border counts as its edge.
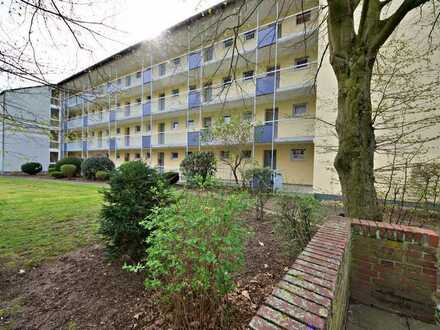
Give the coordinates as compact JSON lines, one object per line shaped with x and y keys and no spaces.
{"x":3,"y":134}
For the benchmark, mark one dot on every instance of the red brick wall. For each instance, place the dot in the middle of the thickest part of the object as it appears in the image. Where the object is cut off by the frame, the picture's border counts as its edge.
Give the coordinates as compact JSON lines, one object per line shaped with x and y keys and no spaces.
{"x":314,"y":292}
{"x":394,"y":267}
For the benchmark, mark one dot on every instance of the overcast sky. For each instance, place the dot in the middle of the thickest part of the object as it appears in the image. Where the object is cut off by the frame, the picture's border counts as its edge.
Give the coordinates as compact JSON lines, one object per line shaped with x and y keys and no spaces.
{"x":134,"y":20}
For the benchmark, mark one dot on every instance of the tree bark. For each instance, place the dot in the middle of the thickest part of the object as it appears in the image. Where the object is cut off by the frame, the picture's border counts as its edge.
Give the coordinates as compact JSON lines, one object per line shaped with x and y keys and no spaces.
{"x":354,"y":161}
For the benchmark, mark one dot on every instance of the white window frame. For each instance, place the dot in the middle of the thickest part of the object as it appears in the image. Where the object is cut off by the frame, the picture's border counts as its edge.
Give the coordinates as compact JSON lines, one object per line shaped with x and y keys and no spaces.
{"x":172,"y":155}
{"x":295,"y":158}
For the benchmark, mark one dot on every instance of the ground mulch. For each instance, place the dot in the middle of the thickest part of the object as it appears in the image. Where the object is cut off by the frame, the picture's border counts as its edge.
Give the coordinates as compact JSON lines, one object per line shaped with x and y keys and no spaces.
{"x":82,"y":290}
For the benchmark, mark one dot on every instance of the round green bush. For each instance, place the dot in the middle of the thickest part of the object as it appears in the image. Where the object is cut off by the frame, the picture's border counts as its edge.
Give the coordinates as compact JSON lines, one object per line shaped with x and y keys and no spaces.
{"x":90,"y":166}
{"x":51,"y":166}
{"x":70,"y":161}
{"x":57,"y":174}
{"x":201,"y":164}
{"x":31,"y":168}
{"x":135,"y":191}
{"x":102,"y":175}
{"x":171,"y":177}
{"x":68,"y":170}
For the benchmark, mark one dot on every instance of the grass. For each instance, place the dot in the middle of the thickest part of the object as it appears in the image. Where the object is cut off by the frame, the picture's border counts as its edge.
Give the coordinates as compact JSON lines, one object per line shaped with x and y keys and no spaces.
{"x":40,"y":219}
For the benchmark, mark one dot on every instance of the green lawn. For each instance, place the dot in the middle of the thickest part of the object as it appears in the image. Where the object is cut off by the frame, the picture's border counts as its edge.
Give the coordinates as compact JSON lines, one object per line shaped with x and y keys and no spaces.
{"x":40,"y":219}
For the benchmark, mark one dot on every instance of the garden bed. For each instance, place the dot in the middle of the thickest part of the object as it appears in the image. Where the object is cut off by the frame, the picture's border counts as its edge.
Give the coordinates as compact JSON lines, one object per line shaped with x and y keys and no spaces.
{"x":82,"y":290}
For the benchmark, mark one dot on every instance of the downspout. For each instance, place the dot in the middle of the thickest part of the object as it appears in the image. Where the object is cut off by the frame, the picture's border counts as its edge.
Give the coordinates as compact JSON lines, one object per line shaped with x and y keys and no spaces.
{"x":3,"y":134}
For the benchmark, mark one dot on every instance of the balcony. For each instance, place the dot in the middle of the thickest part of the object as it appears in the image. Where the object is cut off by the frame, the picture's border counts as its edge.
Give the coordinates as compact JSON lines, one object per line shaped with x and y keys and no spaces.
{"x":300,"y":129}
{"x":96,"y":118}
{"x":129,"y":111}
{"x":74,"y":146}
{"x":169,"y":139}
{"x":128,"y":142}
{"x":75,"y":123}
{"x":98,"y":144}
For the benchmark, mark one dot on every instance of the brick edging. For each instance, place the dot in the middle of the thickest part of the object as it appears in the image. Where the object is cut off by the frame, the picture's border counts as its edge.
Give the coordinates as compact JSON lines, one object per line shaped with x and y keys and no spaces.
{"x":314,"y":285}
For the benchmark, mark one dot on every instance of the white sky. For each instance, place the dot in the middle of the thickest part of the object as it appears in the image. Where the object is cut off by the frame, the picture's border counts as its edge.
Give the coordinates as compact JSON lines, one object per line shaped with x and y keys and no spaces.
{"x":135,"y":20}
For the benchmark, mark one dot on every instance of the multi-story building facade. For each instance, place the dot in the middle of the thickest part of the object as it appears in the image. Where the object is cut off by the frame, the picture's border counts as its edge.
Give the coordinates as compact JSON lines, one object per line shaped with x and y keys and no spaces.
{"x":156,"y":99}
{"x":29,"y":127}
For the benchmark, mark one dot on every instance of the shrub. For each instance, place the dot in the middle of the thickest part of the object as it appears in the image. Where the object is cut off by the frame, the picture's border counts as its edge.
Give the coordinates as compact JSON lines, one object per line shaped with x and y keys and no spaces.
{"x":298,"y":217}
{"x":57,"y":174}
{"x":51,"y":166}
{"x":102,"y":175}
{"x":197,"y":245}
{"x":90,"y":166}
{"x":171,"y":177}
{"x":68,"y":170}
{"x":50,"y":170}
{"x":69,"y":161}
{"x":135,"y":189}
{"x":31,"y":168}
{"x":197,"y":181}
{"x":202,"y":164}
{"x":259,"y":180}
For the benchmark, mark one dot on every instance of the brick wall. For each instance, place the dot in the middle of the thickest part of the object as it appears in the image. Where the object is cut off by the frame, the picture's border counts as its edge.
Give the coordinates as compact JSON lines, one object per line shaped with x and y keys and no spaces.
{"x":394,"y":267}
{"x":314,"y":292}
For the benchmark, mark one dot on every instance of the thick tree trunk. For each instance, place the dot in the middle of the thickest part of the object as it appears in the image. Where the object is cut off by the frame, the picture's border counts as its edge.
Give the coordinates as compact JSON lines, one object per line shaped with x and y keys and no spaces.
{"x":354,"y":161}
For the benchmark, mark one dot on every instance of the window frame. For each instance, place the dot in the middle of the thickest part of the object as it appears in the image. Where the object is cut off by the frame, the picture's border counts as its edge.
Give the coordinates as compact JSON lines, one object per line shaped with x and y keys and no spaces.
{"x":227,"y":43}
{"x":246,"y":75}
{"x":303,"y":17}
{"x":294,"y":106}
{"x":295,"y":158}
{"x":302,"y":66}
{"x":249,"y":35}
{"x":176,"y":154}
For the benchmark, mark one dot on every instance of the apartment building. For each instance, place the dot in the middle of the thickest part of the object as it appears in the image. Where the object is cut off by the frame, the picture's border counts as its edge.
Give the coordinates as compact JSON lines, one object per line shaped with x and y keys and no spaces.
{"x":157,"y":99}
{"x":29,"y":127}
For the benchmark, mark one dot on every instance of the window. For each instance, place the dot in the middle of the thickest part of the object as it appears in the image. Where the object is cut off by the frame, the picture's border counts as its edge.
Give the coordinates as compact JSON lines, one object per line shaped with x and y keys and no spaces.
{"x":128,"y":81}
{"x":224,"y":154}
{"x":207,"y":121}
{"x":162,"y":69}
{"x":93,"y":133}
{"x":301,"y":62}
{"x":175,"y":125}
{"x":192,"y":87}
{"x":279,"y":30}
{"x":297,"y":154}
{"x":176,"y":61}
{"x":227,"y":80}
{"x":247,"y":116}
{"x":137,"y":156}
{"x":148,"y":155}
{"x":162,"y":101}
{"x":174,"y":155}
{"x":127,"y":157}
{"x":246,"y":154}
{"x":208,"y":54}
{"x":148,"y":127}
{"x":118,"y":130}
{"x":228,"y":42}
{"x":175,"y":92}
{"x":118,"y":155}
{"x":299,"y":109}
{"x":249,"y":35}
{"x":190,"y":123}
{"x":207,"y":91}
{"x":118,"y":104}
{"x":303,"y":17}
{"x":138,"y":100}
{"x":138,"y":128}
{"x":248,"y":75}
{"x":138,"y":74}
{"x":190,"y":153}
{"x":226,"y":119}
{"x":119,"y":82}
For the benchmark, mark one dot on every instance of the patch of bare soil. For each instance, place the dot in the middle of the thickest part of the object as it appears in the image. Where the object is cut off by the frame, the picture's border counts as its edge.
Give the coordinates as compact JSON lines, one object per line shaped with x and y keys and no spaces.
{"x":81,"y":290}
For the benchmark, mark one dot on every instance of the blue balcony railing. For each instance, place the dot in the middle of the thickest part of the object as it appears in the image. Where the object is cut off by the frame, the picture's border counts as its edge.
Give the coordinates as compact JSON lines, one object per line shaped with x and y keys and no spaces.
{"x":265,"y":85}
{"x":146,"y":108}
{"x":194,"y":60}
{"x":193,"y":99}
{"x":193,"y":139}
{"x":146,"y":141}
{"x":147,"y":76}
{"x":263,"y":133}
{"x":267,"y":36}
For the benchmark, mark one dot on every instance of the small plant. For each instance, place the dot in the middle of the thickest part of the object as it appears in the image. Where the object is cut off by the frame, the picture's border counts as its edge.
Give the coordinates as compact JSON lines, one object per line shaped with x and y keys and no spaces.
{"x":259,"y":181}
{"x":171,"y":177}
{"x":90,"y":166}
{"x":102,"y":175}
{"x":135,"y":189}
{"x":68,"y":170}
{"x":298,"y":216}
{"x":31,"y":168}
{"x":57,"y":174}
{"x":196,"y":246}
{"x":202,"y":164}
{"x":69,"y":161}
{"x":197,"y":181}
